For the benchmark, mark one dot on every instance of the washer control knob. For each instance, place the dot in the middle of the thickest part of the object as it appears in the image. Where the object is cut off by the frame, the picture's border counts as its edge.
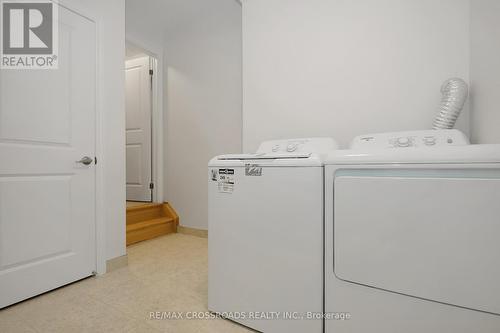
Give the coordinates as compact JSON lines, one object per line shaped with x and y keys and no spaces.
{"x":292,"y":147}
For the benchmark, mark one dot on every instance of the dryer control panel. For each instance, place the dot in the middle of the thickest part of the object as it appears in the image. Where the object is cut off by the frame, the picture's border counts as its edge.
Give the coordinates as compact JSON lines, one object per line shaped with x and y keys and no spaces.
{"x":408,"y":139}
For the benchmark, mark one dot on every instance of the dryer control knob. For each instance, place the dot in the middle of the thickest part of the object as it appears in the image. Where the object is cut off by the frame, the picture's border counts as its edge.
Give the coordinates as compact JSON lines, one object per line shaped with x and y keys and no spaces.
{"x":429,"y":141}
{"x":403,"y":142}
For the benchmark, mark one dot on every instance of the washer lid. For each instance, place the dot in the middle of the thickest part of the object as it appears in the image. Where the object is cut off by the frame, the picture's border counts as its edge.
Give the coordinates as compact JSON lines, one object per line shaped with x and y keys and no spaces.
{"x":282,"y":153}
{"x":263,"y":156}
{"x":268,"y":160}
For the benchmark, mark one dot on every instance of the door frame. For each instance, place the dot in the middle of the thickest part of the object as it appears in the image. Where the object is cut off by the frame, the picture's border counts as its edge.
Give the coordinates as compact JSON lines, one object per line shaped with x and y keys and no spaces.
{"x":156,"y":121}
{"x":100,"y":204}
{"x":100,"y":222}
{"x":90,"y":13}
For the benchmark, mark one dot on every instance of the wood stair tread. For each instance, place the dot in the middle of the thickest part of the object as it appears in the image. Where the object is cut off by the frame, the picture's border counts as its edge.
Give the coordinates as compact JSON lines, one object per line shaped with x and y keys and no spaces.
{"x":143,"y":207}
{"x":149,"y":223}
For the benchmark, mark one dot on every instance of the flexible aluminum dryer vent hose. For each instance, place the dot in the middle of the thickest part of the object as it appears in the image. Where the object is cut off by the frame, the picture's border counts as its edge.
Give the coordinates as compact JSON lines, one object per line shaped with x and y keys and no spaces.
{"x":455,"y":92}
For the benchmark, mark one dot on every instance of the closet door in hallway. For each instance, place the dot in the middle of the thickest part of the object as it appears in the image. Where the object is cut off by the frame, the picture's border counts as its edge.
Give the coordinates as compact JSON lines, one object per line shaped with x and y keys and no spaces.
{"x":138,"y":133}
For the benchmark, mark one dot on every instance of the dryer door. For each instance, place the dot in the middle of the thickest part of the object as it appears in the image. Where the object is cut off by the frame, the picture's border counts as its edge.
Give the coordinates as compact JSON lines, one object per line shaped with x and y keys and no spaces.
{"x":432,"y":234}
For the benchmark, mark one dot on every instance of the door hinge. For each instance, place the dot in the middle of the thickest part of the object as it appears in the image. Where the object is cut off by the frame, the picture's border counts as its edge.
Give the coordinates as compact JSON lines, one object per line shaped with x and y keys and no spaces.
{"x":151,"y":186}
{"x":151,"y":79}
{"x":95,"y":160}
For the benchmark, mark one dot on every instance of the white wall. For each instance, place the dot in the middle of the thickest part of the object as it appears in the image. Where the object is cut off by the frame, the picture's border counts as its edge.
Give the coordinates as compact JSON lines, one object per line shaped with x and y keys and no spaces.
{"x":485,"y":70}
{"x":112,"y":102}
{"x":110,"y":18}
{"x":342,"y":68}
{"x":203,"y":104}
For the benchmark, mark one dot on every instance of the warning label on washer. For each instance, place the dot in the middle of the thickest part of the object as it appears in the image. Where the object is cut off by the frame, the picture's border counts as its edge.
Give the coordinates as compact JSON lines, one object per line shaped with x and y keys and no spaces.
{"x":226,"y":180}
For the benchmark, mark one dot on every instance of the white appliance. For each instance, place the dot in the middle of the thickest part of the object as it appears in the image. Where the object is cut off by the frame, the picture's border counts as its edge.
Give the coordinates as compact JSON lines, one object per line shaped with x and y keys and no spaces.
{"x":412,"y":237}
{"x":265,"y":235}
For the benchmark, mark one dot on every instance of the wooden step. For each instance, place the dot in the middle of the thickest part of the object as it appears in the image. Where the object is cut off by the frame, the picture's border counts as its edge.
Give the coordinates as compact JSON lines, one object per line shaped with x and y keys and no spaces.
{"x":149,"y":229}
{"x":144,"y":212}
{"x":149,"y":221}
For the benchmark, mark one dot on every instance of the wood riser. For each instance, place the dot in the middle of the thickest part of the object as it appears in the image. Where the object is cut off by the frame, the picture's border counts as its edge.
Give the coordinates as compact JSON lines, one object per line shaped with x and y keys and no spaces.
{"x":139,"y":214}
{"x":151,"y":232}
{"x":145,"y":222}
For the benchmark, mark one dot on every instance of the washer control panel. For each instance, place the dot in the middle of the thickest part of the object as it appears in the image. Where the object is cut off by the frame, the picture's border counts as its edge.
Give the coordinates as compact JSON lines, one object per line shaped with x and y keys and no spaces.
{"x":425,"y":138}
{"x":306,"y":145}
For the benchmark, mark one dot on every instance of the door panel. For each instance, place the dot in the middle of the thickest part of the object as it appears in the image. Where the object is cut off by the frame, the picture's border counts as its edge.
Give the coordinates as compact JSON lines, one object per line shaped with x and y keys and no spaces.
{"x":430,"y":234}
{"x":134,"y":159}
{"x":45,"y":213}
{"x":138,"y":122}
{"x":47,"y":199}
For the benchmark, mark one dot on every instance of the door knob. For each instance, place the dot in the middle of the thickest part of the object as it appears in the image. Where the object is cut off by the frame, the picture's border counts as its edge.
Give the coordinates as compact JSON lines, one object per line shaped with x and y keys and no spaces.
{"x":85,"y":160}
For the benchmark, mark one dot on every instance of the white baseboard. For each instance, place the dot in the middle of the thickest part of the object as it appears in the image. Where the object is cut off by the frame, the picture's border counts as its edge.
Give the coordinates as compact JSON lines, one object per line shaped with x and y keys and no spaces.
{"x":116,"y":263}
{"x":192,"y":231}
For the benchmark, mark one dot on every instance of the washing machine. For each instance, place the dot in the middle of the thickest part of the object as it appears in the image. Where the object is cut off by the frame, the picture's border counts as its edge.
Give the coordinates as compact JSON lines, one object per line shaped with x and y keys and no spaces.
{"x":412,"y":230}
{"x":265,"y":236}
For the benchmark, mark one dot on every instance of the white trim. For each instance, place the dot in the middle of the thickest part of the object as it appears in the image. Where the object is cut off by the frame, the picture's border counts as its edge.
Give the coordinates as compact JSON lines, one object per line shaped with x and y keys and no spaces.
{"x":100,"y":229}
{"x":157,"y":137}
{"x":157,"y":122}
{"x":116,"y":263}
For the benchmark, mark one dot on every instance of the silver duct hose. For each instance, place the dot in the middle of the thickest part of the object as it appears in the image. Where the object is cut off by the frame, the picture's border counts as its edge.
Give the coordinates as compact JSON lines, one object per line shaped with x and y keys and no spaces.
{"x":455,"y":92}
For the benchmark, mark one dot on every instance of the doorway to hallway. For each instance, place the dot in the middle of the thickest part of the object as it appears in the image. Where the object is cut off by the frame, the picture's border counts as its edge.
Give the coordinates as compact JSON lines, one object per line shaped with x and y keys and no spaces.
{"x":139,"y":73}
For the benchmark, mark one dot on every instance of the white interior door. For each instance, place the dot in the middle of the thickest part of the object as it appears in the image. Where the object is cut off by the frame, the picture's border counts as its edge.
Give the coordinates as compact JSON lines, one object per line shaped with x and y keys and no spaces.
{"x":138,"y":109}
{"x":47,"y":200}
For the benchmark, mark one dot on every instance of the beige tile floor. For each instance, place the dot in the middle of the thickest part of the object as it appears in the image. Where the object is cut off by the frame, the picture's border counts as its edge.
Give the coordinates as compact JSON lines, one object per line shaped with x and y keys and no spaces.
{"x":164,"y":274}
